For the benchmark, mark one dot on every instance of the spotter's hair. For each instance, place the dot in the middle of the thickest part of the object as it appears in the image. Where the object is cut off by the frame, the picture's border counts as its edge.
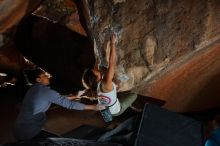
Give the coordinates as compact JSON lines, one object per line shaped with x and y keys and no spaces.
{"x":32,"y":74}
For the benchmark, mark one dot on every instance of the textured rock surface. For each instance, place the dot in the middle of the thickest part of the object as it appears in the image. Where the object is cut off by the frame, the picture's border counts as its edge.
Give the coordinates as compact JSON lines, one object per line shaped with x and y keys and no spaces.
{"x":61,"y":11}
{"x":166,"y":49}
{"x":192,"y":86}
{"x":153,"y":36}
{"x":11,"y":12}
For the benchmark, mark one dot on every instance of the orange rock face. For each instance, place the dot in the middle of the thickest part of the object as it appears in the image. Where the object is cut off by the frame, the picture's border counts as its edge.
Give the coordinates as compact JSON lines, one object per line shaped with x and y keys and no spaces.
{"x":160,"y":36}
{"x":165,"y":49}
{"x":13,"y":11}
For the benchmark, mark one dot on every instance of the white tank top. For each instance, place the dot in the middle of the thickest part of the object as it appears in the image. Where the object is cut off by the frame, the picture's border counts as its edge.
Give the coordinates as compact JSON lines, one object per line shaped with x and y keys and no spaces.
{"x":109,"y":99}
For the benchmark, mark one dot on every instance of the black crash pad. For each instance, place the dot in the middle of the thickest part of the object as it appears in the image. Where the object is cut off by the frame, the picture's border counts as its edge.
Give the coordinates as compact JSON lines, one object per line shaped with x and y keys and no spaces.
{"x":160,"y":127}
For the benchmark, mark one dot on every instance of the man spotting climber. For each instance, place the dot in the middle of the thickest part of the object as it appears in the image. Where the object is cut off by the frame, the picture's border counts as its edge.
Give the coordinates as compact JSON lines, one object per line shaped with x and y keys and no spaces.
{"x":37,"y":101}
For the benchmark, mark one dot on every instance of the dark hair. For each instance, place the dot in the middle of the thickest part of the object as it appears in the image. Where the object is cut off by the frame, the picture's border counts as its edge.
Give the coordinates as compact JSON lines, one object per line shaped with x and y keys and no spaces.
{"x":90,"y":79}
{"x":32,"y":74}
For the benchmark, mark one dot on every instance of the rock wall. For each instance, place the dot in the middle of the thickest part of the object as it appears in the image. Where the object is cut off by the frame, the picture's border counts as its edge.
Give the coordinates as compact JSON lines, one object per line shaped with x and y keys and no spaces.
{"x":63,"y":12}
{"x":154,"y":37}
{"x":13,"y":11}
{"x":166,"y":49}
